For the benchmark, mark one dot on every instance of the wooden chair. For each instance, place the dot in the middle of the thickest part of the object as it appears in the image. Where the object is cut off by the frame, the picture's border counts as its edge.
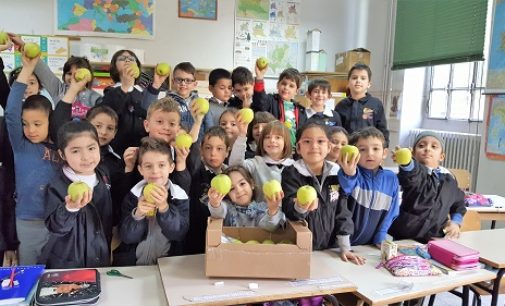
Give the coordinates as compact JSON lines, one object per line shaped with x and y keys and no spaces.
{"x":463,"y":177}
{"x":471,"y":221}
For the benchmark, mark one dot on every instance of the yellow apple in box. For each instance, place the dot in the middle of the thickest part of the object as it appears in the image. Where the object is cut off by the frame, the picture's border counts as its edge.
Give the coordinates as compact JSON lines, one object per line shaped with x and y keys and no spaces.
{"x":349,"y":151}
{"x":268,"y":241}
{"x":82,"y":74}
{"x":4,"y":38}
{"x":76,"y":190}
{"x":403,"y":156}
{"x":222,"y":183}
{"x":271,"y":187}
{"x":148,"y":189}
{"x":183,"y":140}
{"x":247,"y":115}
{"x":305,"y":195}
{"x":262,"y":63}
{"x":203,"y":105}
{"x":252,"y":242}
{"x":163,"y":69}
{"x":31,"y":50}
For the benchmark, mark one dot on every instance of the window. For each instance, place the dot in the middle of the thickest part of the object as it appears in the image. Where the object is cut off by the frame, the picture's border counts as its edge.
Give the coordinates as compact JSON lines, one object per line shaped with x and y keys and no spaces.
{"x":456,"y":91}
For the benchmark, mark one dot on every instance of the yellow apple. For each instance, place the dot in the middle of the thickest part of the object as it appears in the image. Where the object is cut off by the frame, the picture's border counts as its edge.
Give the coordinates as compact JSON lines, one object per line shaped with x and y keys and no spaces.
{"x":203,"y":105}
{"x":268,"y":241}
{"x":262,"y":63}
{"x":271,"y":187}
{"x":4,"y":38}
{"x":285,"y":241}
{"x":148,"y":188}
{"x":305,"y":195}
{"x":403,"y":156}
{"x":163,"y":69}
{"x":31,"y":50}
{"x":222,"y":183}
{"x":235,"y":240}
{"x":82,"y":74}
{"x":135,"y":70}
{"x":183,"y":140}
{"x":350,"y":151}
{"x":252,"y":242}
{"x":76,"y":190}
{"x":247,"y":115}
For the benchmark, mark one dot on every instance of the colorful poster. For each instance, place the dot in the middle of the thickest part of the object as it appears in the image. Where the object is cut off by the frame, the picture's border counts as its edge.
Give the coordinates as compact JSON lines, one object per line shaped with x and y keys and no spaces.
{"x":199,"y":9}
{"x":253,"y":9}
{"x":111,"y":18}
{"x":495,"y":136}
{"x":496,"y":62}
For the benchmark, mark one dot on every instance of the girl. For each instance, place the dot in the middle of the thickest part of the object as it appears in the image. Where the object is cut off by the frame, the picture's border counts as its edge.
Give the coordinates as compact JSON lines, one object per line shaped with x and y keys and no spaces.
{"x":254,"y":131}
{"x":338,"y":139}
{"x":128,"y":100}
{"x":272,"y":155}
{"x":239,"y":209}
{"x":328,"y":219}
{"x":80,"y":229}
{"x":228,"y":122}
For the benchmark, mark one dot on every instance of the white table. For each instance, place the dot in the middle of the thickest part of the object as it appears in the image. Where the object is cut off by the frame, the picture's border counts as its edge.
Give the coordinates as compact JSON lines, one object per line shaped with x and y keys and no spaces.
{"x":491,"y":245}
{"x":185,"y":283}
{"x":493,"y":213}
{"x":379,"y":287}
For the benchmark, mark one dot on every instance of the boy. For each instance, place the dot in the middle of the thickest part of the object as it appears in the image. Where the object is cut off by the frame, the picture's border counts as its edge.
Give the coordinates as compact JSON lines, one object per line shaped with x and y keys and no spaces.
{"x":281,"y":105}
{"x":220,"y":87}
{"x":161,"y":235}
{"x":243,"y":88}
{"x":430,"y":194}
{"x":213,"y":150}
{"x":360,"y":109}
{"x":371,"y":192}
{"x":318,"y":92}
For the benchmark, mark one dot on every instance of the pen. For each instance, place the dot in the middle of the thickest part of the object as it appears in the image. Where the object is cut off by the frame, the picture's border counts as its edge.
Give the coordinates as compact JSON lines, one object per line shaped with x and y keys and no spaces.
{"x":13,"y":272}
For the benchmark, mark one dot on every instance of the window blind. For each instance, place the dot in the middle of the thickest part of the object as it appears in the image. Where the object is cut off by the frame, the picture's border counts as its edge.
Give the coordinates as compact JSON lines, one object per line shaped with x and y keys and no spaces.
{"x":432,"y":32}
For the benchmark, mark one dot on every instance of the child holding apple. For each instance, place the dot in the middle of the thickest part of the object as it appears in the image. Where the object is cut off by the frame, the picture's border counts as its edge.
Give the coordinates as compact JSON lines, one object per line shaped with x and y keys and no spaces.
{"x":360,"y":109}
{"x":242,"y":82}
{"x":36,"y":161}
{"x":319,"y":92}
{"x":372,"y":193}
{"x":430,"y":193}
{"x":338,"y":139}
{"x":78,"y":208}
{"x":147,"y":236}
{"x":240,"y":209}
{"x":128,"y":100}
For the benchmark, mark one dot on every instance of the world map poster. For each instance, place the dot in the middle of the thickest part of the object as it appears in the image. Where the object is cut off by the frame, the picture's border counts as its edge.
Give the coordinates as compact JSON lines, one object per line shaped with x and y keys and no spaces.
{"x":495,"y":140}
{"x":110,"y":18}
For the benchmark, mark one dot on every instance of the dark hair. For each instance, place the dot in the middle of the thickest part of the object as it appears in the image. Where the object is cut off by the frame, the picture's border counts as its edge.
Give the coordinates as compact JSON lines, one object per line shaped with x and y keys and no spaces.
{"x":216,"y":131}
{"x":186,"y":67}
{"x":310,"y":125}
{"x":241,"y":76}
{"x":319,"y":83}
{"x":259,"y":117}
{"x":73,"y":129}
{"x":114,"y":74}
{"x":368,"y":132}
{"x":246,"y":174}
{"x":15,"y":73}
{"x":291,"y":74}
{"x":337,"y":129}
{"x":218,"y":74}
{"x":102,"y":109}
{"x":278,"y":128}
{"x":150,"y":144}
{"x":38,"y":102}
{"x":360,"y":66}
{"x":78,"y":62}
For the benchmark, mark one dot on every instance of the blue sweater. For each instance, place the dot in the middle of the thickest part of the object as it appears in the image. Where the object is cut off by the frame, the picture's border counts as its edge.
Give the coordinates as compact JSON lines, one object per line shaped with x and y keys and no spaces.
{"x":35,"y":164}
{"x":374,"y":202}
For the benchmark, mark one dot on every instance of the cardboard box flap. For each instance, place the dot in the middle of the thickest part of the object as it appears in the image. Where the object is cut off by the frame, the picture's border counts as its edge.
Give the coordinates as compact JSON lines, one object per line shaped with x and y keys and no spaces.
{"x":303,"y":235}
{"x":214,"y":230}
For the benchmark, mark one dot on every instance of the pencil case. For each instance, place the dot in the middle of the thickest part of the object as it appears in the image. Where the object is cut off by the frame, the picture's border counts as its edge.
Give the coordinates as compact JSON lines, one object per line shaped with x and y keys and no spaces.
{"x":453,"y":255}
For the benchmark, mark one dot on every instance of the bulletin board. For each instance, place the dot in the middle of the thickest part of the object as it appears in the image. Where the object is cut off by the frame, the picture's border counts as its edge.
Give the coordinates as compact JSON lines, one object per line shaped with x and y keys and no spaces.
{"x":54,"y":49}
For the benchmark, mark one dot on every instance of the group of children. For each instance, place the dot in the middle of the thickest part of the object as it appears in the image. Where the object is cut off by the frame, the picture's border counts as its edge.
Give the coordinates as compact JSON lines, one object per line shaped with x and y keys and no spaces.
{"x":124,"y":141}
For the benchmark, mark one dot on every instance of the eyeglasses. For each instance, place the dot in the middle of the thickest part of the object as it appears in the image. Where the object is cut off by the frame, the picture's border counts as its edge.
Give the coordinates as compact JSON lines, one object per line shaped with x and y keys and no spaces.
{"x":181,"y":80}
{"x":124,"y":58}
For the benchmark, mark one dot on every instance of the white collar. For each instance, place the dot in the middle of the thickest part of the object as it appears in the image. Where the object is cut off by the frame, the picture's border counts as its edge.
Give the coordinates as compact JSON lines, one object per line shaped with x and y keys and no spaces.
{"x":90,"y":180}
{"x":130,"y":89}
{"x":310,"y":112}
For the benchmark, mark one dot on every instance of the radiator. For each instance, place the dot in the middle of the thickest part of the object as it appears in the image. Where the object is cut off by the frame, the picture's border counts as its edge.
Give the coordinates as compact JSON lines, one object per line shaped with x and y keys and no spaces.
{"x":461,"y":150}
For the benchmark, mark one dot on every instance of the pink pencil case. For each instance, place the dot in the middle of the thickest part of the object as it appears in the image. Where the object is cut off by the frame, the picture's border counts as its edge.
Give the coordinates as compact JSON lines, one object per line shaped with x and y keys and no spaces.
{"x":453,"y":255}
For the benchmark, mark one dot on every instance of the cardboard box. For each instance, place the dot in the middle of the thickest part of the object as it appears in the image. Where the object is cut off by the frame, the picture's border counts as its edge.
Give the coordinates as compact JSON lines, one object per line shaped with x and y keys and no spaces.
{"x":345,"y":60}
{"x":286,"y":261}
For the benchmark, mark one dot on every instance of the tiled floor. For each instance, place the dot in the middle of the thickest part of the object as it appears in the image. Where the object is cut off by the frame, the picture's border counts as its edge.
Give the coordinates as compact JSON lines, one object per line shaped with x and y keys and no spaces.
{"x":448,"y":299}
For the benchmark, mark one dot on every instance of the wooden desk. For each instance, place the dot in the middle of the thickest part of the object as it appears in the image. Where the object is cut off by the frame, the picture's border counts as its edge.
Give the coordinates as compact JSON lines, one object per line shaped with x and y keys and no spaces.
{"x":493,"y":213}
{"x":144,"y":289}
{"x":185,"y":283}
{"x":379,"y":287}
{"x":492,"y":252}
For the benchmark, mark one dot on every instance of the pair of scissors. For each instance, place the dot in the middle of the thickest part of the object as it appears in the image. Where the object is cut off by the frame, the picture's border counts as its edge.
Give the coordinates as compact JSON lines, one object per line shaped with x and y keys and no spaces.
{"x":115,"y":272}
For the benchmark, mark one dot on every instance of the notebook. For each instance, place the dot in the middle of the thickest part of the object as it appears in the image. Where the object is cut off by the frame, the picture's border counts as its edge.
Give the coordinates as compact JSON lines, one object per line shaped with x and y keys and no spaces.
{"x":68,"y":287}
{"x":23,"y":279}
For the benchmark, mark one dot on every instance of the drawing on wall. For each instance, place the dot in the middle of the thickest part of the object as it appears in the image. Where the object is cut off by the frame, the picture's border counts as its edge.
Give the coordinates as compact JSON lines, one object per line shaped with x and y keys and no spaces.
{"x":495,"y":136}
{"x":496,"y":62}
{"x":198,"y":9}
{"x":112,"y":18}
{"x":253,"y":9}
